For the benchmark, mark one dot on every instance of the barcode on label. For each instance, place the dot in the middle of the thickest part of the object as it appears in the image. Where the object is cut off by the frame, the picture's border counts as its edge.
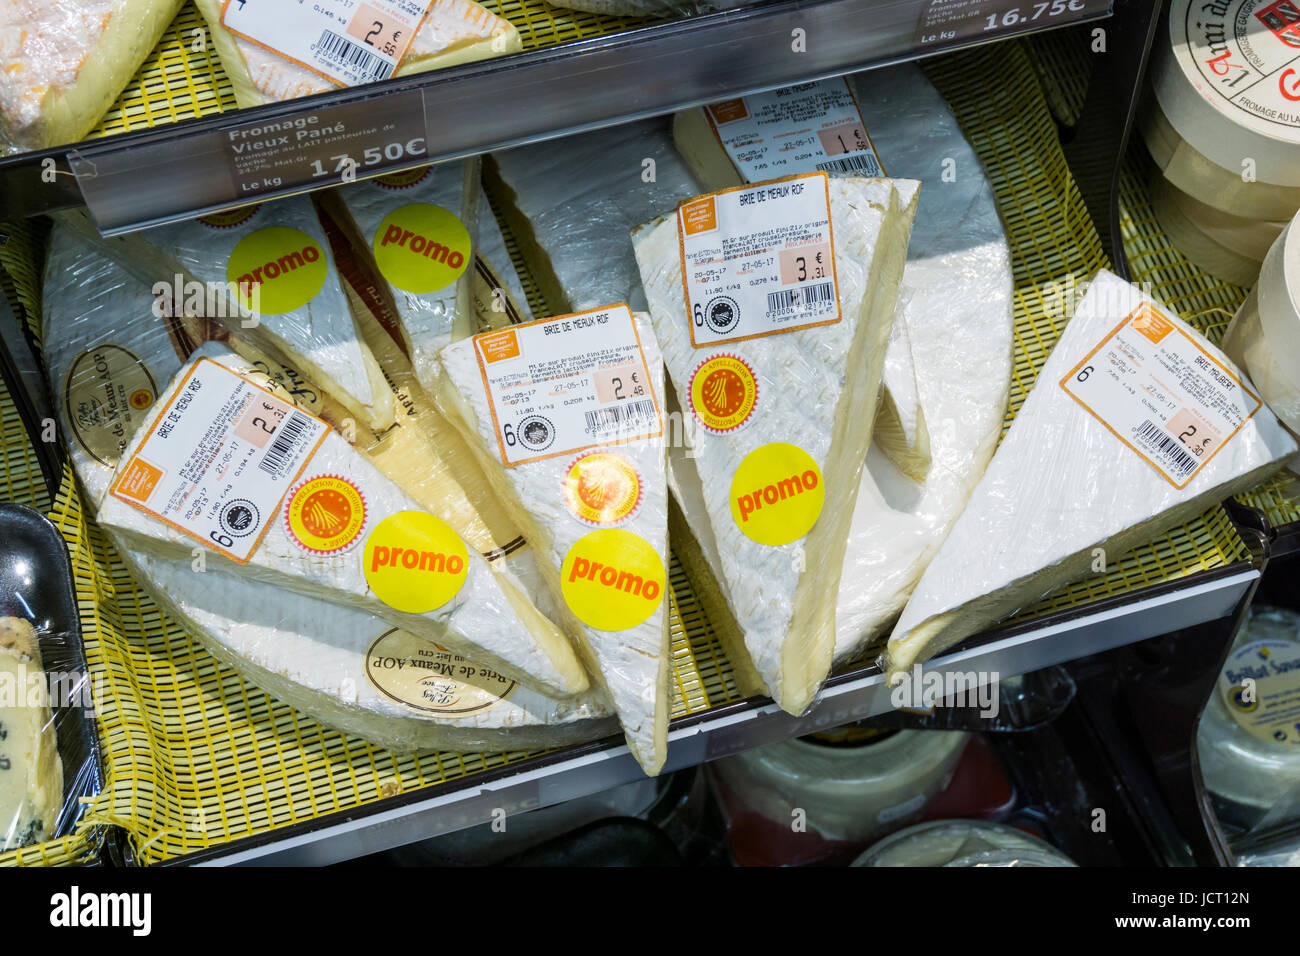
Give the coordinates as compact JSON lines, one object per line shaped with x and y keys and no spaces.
{"x":803,"y":299}
{"x":867,"y":165}
{"x":344,"y":51}
{"x":286,"y":442}
{"x":621,"y":417}
{"x":1159,"y":440}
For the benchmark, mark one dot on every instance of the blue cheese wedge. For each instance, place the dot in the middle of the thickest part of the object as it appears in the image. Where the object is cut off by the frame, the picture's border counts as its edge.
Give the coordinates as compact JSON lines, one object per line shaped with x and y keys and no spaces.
{"x":785,"y":413}
{"x":593,"y":506}
{"x":1135,"y":424}
{"x":284,"y":500}
{"x":31,"y":773}
{"x":64,"y":62}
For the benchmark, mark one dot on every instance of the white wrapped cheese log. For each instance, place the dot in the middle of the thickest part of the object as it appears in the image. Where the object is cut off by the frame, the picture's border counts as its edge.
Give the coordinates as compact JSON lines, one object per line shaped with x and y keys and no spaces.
{"x":1063,"y":484}
{"x":817,"y":387}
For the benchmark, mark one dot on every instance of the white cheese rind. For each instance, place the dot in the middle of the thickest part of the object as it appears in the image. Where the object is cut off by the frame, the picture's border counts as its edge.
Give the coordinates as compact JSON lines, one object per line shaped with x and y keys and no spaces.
{"x":1061,"y":485}
{"x":310,"y":653}
{"x":453,"y":31}
{"x":632,"y":665}
{"x":31,"y":772}
{"x":64,"y":62}
{"x":498,"y":294}
{"x":818,"y":389}
{"x":489,"y":620}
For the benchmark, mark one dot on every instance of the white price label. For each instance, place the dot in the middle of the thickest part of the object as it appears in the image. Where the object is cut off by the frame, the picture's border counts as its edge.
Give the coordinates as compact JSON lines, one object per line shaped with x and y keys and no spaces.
{"x":758,"y":260}
{"x":798,"y":129}
{"x":1161,"y":393}
{"x":219,"y":459}
{"x":556,"y":386}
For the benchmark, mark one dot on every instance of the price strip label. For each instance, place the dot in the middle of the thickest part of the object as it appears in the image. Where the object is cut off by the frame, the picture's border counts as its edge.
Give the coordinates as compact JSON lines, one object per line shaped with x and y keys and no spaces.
{"x":1159,"y":391}
{"x":947,"y":21}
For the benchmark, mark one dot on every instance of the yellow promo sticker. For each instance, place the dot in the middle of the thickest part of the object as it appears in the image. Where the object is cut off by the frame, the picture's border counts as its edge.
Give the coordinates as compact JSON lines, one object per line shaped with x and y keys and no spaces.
{"x":276,"y":270}
{"x":421,"y":248}
{"x":613,"y":579}
{"x":415,"y":562}
{"x":777,"y":494}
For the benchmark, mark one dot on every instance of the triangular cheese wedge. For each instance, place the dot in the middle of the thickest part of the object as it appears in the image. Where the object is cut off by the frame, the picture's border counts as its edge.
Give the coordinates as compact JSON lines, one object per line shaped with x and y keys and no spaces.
{"x":419,"y":230}
{"x":452,"y":31}
{"x":63,"y":64}
{"x":595,"y":512}
{"x":268,"y":274}
{"x":809,"y":423}
{"x":342,"y":533}
{"x":1070,"y":478}
{"x":108,"y":353}
{"x":498,"y":294}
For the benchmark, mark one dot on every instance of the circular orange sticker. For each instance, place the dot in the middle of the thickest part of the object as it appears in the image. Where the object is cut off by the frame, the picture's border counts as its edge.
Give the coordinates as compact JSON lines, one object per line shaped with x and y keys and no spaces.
{"x":230,"y":219}
{"x":403,"y":180}
{"x":602,"y":488}
{"x":325,"y":514}
{"x":415,"y":562}
{"x":724,"y":392}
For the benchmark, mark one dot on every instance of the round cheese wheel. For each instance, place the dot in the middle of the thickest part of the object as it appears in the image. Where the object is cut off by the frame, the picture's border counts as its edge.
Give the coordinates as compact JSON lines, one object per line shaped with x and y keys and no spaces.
{"x":962,"y":843}
{"x":1225,"y":260}
{"x":1226,"y":81}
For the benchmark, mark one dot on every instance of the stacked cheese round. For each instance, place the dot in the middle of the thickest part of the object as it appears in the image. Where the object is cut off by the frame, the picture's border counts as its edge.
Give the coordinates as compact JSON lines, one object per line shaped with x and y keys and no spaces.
{"x":1264,"y":337}
{"x":1224,"y":130}
{"x":962,"y":843}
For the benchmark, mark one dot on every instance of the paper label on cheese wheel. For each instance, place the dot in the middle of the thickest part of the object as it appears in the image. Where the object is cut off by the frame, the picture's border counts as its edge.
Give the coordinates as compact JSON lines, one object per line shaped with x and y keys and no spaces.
{"x":1244,"y":57}
{"x":219,"y":459}
{"x":345,"y":41}
{"x":1260,"y":686}
{"x":759,"y":260}
{"x":1160,"y":392}
{"x":565,"y":384}
{"x":777,"y":494}
{"x":421,"y":248}
{"x":277,"y":270}
{"x":796,"y":129}
{"x":107,"y":392}
{"x":415,"y":562}
{"x":613,"y":579}
{"x":430,"y":679}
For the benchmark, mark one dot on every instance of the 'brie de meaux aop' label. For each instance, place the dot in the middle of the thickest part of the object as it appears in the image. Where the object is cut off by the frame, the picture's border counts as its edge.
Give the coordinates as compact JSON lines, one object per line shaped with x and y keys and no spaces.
{"x":1260,"y":686}
{"x":759,"y":260}
{"x":342,"y":40}
{"x":107,"y":392}
{"x":219,"y":460}
{"x":798,"y":129}
{"x":556,"y":386}
{"x":1162,"y":394}
{"x":429,"y":679}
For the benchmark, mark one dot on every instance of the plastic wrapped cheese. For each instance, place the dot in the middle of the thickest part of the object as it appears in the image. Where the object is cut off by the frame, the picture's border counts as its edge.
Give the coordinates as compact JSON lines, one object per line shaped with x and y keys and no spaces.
{"x":1091,"y":468}
{"x":109,"y":357}
{"x":962,"y":843}
{"x":1217,"y":247}
{"x":64,"y":62}
{"x":1264,"y":337}
{"x":451,"y":32}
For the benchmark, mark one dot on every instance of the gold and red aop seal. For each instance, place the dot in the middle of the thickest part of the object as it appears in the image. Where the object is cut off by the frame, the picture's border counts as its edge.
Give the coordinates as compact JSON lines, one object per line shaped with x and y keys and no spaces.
{"x":724,"y":392}
{"x":230,"y":218}
{"x":602,"y":488}
{"x":405,"y":179}
{"x":325,"y":514}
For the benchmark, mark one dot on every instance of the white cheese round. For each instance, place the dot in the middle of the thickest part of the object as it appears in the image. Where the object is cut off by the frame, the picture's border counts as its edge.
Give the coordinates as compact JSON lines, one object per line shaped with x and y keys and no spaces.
{"x":850,"y":793}
{"x":1225,"y":80}
{"x":962,"y":843}
{"x":1211,"y":249}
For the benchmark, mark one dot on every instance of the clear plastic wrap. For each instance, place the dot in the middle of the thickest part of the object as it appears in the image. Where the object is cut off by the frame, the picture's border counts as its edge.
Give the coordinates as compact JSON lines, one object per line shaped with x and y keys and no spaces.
{"x":497,"y":292}
{"x":816,"y":386}
{"x":551,"y":500}
{"x":962,"y":843}
{"x":954,"y":307}
{"x":64,"y":62}
{"x":1063,"y":494}
{"x":109,"y":357}
{"x":452,"y":31}
{"x":1225,"y":253}
{"x":1264,"y":337}
{"x":850,"y":793}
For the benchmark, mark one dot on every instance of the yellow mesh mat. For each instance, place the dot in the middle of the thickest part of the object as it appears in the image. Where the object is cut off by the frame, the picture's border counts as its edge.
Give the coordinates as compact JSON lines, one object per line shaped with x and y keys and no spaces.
{"x":197,"y":757}
{"x":183,"y":78}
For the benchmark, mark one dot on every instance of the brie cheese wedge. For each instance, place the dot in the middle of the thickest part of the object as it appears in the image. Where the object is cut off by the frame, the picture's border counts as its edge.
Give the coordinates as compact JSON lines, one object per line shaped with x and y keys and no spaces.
{"x":452,"y":32}
{"x":64,"y":62}
{"x":558,"y":500}
{"x":816,"y":392}
{"x":498,"y":294}
{"x":31,"y":772}
{"x":1065,"y":483}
